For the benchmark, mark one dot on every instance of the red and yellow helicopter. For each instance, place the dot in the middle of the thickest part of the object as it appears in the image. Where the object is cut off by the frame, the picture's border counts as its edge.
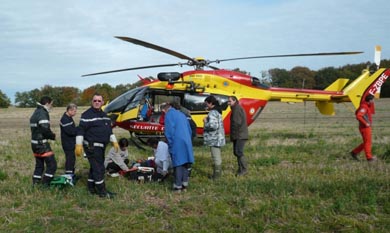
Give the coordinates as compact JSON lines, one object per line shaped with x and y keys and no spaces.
{"x":190,"y":88}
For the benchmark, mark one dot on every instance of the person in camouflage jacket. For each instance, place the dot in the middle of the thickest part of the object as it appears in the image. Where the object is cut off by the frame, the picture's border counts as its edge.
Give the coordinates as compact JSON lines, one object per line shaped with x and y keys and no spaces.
{"x":214,"y":134}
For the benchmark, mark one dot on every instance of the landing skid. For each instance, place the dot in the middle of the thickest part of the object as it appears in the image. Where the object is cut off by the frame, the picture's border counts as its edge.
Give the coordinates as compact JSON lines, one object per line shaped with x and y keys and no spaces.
{"x":139,"y":140}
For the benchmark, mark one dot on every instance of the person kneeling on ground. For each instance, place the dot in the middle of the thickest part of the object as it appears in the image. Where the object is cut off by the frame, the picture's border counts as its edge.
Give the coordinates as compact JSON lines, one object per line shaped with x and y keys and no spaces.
{"x":117,"y":162}
{"x":162,"y":158}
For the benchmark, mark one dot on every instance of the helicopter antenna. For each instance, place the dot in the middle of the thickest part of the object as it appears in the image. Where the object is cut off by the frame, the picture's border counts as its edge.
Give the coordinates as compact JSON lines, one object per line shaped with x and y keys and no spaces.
{"x":377,"y":58}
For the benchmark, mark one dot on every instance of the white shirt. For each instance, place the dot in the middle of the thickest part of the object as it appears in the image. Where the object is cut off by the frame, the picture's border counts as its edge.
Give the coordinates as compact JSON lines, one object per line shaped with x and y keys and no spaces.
{"x":162,"y":158}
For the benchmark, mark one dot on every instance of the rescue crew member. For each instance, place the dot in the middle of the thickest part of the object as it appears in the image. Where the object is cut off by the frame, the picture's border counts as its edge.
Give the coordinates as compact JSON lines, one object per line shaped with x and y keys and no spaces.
{"x":68,"y":137}
{"x":94,"y":133}
{"x":364,"y":116}
{"x":40,"y":136}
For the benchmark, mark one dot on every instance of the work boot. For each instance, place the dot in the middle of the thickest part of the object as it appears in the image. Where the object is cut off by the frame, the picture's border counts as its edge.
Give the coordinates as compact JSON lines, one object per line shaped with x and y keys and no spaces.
{"x":103,"y":192}
{"x":354,"y":156}
{"x":46,"y":181}
{"x":217,"y":171}
{"x":242,"y":166}
{"x":91,"y":188}
{"x":36,"y":182}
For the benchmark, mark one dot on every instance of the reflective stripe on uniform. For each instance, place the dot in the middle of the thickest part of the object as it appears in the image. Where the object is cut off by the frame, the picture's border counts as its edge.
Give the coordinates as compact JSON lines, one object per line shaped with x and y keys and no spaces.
{"x":38,"y":142}
{"x":49,"y":175}
{"x":95,"y":144}
{"x":95,"y":119}
{"x":99,"y":182}
{"x":46,"y":154}
{"x":68,"y":124}
{"x":44,"y":122}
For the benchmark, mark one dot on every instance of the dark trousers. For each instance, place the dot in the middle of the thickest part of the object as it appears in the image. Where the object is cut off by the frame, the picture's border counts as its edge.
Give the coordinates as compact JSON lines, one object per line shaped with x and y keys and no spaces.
{"x":238,"y":150}
{"x":181,"y":176}
{"x":70,"y":161}
{"x":51,"y":167}
{"x":96,"y":162}
{"x":238,"y":147}
{"x":114,"y":168}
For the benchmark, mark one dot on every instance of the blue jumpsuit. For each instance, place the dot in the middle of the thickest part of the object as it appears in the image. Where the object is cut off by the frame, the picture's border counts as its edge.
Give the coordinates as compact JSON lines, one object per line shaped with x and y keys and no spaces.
{"x":95,"y":126}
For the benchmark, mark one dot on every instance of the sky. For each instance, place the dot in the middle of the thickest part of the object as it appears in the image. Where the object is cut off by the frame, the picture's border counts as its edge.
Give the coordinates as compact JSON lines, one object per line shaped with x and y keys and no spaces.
{"x":53,"y":43}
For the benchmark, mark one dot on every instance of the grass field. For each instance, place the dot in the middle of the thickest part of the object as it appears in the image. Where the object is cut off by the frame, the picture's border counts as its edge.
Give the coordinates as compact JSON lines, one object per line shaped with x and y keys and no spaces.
{"x":301,"y":179}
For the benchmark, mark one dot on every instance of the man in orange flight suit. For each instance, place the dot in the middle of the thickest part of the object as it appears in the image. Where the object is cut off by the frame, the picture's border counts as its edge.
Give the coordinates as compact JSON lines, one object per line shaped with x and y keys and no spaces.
{"x":364,"y":116}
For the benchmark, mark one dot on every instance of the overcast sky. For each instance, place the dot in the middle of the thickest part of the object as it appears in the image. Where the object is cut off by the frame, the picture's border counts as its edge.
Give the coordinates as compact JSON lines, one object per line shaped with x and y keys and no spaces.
{"x":49,"y":42}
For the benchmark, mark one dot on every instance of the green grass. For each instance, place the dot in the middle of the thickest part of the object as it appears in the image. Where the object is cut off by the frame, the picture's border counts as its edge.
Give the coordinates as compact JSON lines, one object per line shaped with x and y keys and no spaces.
{"x":301,"y":179}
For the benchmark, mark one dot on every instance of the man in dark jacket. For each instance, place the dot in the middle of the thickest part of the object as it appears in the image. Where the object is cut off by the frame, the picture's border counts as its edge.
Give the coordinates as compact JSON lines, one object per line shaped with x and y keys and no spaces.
{"x":238,"y":133}
{"x":40,"y":136}
{"x":94,"y":133}
{"x":68,"y":137}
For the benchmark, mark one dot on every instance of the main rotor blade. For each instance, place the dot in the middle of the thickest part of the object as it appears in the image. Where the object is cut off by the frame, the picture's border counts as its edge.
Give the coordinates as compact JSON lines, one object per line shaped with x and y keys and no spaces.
{"x":134,"y":68}
{"x":289,"y":55}
{"x":155,"y":47}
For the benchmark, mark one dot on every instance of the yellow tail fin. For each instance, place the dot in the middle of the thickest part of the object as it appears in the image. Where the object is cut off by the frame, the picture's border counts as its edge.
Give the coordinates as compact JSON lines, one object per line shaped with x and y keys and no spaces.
{"x":366,"y":84}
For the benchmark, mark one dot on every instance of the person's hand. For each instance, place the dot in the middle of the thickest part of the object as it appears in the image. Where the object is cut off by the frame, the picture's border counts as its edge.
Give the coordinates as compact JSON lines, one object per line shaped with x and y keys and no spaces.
{"x":116,"y":146}
{"x":79,"y":150}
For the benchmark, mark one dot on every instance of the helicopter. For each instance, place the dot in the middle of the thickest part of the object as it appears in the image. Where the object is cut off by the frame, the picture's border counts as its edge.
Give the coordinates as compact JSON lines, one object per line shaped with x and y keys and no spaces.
{"x":190,"y":88}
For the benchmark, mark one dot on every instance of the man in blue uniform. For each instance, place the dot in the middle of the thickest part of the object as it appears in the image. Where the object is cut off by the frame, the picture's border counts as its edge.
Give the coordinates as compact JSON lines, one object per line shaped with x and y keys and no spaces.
{"x":40,"y":136}
{"x":94,"y":133}
{"x":68,"y":137}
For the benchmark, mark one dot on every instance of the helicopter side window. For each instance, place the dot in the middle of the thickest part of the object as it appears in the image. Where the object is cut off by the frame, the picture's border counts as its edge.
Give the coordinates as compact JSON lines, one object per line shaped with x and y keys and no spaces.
{"x":119,"y":103}
{"x":195,"y":102}
{"x":135,"y":102}
{"x":256,"y":82}
{"x":126,"y":101}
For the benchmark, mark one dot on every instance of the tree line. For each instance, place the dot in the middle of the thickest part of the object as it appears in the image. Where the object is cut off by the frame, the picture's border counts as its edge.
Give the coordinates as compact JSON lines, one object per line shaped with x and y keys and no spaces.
{"x":297,"y":77}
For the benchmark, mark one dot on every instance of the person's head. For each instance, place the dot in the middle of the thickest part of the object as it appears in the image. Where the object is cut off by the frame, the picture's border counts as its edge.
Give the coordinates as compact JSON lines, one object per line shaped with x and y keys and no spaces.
{"x":165,"y":106}
{"x":123,"y":143}
{"x":232,"y":100}
{"x":47,"y":102}
{"x":152,"y":142}
{"x":369,"y":98}
{"x":71,"y":109}
{"x":175,"y":105}
{"x":211,"y":102}
{"x":97,"y":101}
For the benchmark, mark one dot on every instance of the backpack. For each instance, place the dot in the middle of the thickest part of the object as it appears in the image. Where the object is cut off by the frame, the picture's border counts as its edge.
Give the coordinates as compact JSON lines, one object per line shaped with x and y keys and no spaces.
{"x":62,"y":181}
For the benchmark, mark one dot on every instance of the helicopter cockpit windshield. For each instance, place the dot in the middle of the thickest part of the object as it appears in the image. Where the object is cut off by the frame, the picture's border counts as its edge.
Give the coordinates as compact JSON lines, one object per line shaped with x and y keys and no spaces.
{"x":129,"y":100}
